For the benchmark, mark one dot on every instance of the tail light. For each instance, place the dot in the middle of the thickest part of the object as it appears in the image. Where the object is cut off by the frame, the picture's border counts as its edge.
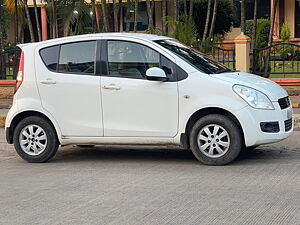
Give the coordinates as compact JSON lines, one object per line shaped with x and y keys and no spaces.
{"x":20,"y":76}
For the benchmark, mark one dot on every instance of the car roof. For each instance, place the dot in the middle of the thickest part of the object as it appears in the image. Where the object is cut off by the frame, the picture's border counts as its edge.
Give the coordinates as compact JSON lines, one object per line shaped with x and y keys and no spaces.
{"x":149,"y":37}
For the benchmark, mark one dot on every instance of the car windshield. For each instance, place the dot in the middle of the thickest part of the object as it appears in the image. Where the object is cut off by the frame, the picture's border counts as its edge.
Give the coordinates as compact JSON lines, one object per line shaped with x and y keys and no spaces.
{"x":193,"y":57}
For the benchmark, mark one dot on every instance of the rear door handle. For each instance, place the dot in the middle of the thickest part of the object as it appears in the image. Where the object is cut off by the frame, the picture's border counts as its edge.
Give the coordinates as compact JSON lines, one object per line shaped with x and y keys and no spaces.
{"x":111,"y":87}
{"x":48,"y":81}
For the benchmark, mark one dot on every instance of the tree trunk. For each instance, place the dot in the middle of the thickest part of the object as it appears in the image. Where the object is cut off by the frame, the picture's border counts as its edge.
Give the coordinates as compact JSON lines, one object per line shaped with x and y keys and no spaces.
{"x":1,"y":45}
{"x":185,"y":8}
{"x":1,"y":32}
{"x":267,"y":61}
{"x":164,"y":14}
{"x":136,"y":10}
{"x":16,"y":23}
{"x":54,"y":19}
{"x":127,"y":16}
{"x":29,"y":22}
{"x":150,"y":7}
{"x":38,"y":26}
{"x":176,"y":13}
{"x":207,"y":21}
{"x":191,"y":10}
{"x":104,"y":13}
{"x":253,"y":40}
{"x":94,"y":22}
{"x":213,"y":21}
{"x":116,"y":14}
{"x":243,"y":16}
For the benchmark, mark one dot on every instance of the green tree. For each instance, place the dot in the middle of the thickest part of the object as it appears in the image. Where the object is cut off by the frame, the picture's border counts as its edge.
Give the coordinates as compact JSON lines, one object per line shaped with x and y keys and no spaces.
{"x":206,"y":21}
{"x":224,"y":19}
{"x":37,"y":20}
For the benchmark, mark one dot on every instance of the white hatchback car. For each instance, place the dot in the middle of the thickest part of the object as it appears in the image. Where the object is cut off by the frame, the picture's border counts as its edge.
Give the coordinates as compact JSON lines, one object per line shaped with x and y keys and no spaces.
{"x":145,"y":89}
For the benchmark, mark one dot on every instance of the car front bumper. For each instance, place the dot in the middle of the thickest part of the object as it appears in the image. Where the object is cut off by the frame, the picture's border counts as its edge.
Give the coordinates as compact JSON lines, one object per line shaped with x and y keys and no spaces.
{"x":251,"y":118}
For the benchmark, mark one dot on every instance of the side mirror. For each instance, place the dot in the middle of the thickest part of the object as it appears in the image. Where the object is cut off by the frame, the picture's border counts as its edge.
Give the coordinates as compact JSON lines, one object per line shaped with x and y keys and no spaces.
{"x":156,"y":74}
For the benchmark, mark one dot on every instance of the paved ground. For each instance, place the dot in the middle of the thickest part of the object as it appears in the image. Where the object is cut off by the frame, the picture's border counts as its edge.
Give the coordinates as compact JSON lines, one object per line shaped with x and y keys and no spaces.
{"x":113,"y":185}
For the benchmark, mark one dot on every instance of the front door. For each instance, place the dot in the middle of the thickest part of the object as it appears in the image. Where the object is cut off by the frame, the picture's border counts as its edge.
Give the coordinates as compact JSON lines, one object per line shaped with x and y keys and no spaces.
{"x":132,"y":105}
{"x":69,"y":87}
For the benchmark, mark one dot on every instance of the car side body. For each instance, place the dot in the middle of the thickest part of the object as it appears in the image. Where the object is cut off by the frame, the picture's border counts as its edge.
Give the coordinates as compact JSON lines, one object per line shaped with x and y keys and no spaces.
{"x":96,"y":108}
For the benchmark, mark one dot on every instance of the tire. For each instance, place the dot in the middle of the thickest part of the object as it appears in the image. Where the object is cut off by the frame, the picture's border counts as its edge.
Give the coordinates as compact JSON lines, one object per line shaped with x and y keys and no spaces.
{"x":217,"y":149}
{"x":35,"y":139}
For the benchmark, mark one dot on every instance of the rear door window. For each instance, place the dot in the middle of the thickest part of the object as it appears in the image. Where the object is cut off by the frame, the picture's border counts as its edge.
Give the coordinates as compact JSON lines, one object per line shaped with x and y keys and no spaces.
{"x":78,"y":58}
{"x":50,"y":57}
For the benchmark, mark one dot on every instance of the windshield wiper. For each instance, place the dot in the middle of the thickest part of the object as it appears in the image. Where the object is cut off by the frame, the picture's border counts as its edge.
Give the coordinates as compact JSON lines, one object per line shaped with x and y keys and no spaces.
{"x":224,"y":71}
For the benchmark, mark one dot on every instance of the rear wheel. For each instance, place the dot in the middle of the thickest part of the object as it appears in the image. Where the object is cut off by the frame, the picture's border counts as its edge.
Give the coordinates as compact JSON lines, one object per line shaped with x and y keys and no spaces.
{"x":215,"y":140}
{"x":35,"y":139}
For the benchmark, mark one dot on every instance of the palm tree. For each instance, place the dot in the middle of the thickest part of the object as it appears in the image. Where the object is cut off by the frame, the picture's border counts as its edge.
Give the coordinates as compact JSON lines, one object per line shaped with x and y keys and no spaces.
{"x":253,"y":40}
{"x":38,"y":27}
{"x":1,"y":32}
{"x":12,"y":7}
{"x":104,"y":13}
{"x":116,"y":13}
{"x":176,"y":10}
{"x":243,"y":16}
{"x":94,"y":21}
{"x":128,"y":5}
{"x":16,"y":22}
{"x":136,"y":9}
{"x":270,"y":40}
{"x":206,"y":21}
{"x":185,"y":7}
{"x":213,"y":21}
{"x":191,"y":10}
{"x":54,"y":20}
{"x":164,"y":14}
{"x":29,"y":21}
{"x":150,"y":7}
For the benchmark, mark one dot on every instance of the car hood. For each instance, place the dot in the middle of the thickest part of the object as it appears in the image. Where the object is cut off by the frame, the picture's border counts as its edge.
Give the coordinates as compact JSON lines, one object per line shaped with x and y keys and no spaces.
{"x":268,"y":87}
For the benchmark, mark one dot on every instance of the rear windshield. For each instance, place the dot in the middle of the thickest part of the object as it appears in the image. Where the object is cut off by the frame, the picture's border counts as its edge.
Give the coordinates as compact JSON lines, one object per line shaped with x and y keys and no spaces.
{"x":193,"y":57}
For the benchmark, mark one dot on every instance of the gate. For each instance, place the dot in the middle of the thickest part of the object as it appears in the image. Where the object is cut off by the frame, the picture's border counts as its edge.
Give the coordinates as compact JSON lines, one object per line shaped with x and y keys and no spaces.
{"x":9,"y":63}
{"x":222,"y":55}
{"x":284,"y":60}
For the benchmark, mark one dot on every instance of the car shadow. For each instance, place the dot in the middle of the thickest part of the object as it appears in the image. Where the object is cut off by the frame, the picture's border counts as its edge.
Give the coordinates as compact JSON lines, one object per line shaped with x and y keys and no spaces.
{"x":167,"y":154}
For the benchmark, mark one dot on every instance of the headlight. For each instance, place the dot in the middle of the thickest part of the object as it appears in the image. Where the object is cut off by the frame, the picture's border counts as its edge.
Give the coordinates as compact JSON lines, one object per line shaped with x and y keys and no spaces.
{"x":253,"y":97}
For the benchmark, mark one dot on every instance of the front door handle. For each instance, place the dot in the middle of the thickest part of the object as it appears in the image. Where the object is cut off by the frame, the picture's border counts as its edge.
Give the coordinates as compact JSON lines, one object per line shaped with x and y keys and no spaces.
{"x":111,"y":87}
{"x":48,"y":81}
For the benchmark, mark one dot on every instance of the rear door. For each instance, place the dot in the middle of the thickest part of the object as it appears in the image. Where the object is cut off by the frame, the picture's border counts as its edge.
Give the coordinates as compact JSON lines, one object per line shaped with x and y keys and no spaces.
{"x":69,"y":87}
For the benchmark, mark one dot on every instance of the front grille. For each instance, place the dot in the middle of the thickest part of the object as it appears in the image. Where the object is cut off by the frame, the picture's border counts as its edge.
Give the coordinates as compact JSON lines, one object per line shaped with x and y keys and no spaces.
{"x":284,"y":102}
{"x":288,"y":124}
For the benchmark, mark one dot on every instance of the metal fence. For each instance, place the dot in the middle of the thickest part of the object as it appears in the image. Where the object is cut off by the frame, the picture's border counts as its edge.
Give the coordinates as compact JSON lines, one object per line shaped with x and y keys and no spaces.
{"x":284,"y":60}
{"x":219,"y":54}
{"x":9,"y":63}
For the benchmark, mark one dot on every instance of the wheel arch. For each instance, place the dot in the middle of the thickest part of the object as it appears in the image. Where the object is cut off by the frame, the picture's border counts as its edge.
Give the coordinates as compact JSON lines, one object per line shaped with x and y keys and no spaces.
{"x":204,"y":112}
{"x":24,"y":114}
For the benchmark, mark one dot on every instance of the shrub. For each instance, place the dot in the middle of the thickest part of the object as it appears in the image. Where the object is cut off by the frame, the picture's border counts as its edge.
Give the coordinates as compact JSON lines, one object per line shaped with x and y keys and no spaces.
{"x":262,"y":32}
{"x":184,"y":30}
{"x":286,"y":50}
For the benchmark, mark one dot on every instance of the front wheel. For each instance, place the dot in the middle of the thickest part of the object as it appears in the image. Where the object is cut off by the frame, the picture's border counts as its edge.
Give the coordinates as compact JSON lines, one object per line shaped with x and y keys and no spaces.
{"x":215,"y":140}
{"x":35,"y":139}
